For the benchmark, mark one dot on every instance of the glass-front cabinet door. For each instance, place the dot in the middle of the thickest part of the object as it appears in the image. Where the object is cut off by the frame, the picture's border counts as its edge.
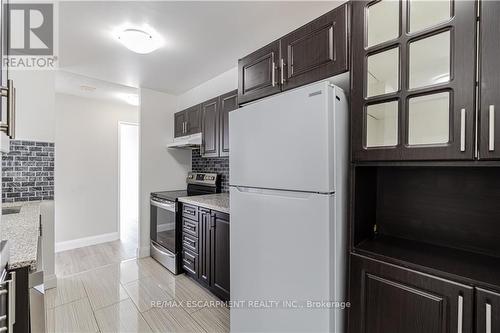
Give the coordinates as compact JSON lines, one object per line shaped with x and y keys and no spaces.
{"x":413,"y":80}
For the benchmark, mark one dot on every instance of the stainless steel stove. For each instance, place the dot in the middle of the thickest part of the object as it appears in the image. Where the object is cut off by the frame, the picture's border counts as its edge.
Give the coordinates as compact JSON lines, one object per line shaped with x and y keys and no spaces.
{"x":166,"y":218}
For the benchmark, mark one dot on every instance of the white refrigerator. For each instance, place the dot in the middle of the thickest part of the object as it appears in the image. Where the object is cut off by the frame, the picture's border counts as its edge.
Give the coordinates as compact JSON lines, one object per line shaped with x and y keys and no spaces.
{"x":289,"y":176}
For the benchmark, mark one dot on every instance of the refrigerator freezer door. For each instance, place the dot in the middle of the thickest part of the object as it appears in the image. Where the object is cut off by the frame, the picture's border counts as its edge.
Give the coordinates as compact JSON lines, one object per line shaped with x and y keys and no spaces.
{"x":285,"y":246}
{"x":286,"y":141}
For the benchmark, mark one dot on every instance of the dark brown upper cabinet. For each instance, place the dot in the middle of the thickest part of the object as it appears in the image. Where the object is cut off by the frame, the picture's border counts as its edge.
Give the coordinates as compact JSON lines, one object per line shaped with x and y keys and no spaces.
{"x":313,"y":52}
{"x":413,"y":80}
{"x":316,"y":51}
{"x":180,"y":127}
{"x":489,"y":62}
{"x":210,"y":128}
{"x":228,"y":103}
{"x":258,"y":73}
{"x":188,"y":121}
{"x":391,"y":299}
{"x":193,"y":118}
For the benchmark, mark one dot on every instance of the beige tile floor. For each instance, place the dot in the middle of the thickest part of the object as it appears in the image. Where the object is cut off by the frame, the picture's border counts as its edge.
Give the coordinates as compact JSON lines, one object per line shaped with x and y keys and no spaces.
{"x":117,"y":296}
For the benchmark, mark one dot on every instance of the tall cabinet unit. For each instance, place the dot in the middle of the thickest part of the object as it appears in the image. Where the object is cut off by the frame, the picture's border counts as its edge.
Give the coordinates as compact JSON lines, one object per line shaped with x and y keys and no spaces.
{"x":424,"y":232}
{"x":413,"y":80}
{"x":489,"y":64}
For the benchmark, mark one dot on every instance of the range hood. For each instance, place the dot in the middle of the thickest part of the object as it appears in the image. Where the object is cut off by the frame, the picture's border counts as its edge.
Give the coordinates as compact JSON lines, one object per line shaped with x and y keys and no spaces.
{"x":186,"y":142}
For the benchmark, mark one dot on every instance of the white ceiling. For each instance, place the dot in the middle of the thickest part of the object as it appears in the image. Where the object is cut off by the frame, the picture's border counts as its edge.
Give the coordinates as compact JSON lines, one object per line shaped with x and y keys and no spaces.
{"x":70,"y":83}
{"x":203,"y":39}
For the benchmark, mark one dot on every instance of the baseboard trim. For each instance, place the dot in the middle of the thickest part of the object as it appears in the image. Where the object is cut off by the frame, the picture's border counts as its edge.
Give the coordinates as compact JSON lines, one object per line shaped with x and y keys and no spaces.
{"x":86,"y":241}
{"x":50,"y":281}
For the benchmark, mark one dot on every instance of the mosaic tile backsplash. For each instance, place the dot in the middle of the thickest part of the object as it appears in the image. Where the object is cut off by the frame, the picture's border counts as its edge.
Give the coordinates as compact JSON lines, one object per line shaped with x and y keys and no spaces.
{"x":28,"y":171}
{"x":218,"y":165}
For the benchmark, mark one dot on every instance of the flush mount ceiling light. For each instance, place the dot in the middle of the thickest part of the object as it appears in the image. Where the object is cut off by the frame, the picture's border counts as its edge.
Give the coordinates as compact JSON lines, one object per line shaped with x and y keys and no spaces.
{"x":139,"y":40}
{"x":132,"y":99}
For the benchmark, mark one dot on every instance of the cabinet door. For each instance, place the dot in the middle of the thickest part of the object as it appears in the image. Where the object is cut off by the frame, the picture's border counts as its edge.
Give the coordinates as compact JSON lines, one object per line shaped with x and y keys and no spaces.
{"x":193,"y":119}
{"x":204,"y":241}
{"x":315,"y":51}
{"x":413,"y":80}
{"x":489,"y":50}
{"x":220,"y":255}
{"x":210,"y":128}
{"x":180,"y":124}
{"x":258,"y":73}
{"x":228,"y":103}
{"x":487,"y":311}
{"x":391,"y":299}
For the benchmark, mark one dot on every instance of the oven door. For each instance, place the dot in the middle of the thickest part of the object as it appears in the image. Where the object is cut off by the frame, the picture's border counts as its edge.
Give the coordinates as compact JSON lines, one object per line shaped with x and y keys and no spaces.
{"x":163,"y":224}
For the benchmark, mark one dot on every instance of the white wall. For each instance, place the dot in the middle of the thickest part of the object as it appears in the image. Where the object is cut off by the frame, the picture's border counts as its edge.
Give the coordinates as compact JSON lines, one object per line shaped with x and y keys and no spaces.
{"x":161,"y":169}
{"x":86,"y":182}
{"x":219,"y":85}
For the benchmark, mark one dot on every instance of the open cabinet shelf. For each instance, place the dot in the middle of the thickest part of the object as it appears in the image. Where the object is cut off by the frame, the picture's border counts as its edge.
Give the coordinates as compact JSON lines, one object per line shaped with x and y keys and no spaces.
{"x":464,"y":266}
{"x":440,"y":220}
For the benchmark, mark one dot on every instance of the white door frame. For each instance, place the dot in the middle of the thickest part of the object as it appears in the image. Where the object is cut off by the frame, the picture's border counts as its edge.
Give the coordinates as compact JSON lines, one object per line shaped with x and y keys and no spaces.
{"x":120,"y":123}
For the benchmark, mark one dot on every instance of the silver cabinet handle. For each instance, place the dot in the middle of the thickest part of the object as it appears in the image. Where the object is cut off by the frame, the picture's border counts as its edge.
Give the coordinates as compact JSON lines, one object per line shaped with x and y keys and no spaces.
{"x":282,"y":65}
{"x":462,"y":130}
{"x":488,"y":318}
{"x":9,"y":127}
{"x":492,"y":128}
{"x":273,"y":72}
{"x":460,"y":314}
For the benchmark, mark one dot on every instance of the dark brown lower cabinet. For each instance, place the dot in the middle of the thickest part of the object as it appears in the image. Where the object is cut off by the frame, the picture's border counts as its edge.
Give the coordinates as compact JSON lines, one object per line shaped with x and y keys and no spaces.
{"x":208,"y":262}
{"x":487,"y":311}
{"x":390,"y":299}
{"x":205,"y":243}
{"x":219,"y":255}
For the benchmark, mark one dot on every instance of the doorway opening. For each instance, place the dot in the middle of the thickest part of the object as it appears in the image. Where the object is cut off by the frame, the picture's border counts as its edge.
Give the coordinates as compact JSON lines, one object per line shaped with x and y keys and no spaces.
{"x":129,"y":183}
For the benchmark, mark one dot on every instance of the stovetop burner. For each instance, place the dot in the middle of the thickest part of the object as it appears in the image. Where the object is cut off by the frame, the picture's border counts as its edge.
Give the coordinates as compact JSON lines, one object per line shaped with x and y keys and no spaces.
{"x":197,"y":184}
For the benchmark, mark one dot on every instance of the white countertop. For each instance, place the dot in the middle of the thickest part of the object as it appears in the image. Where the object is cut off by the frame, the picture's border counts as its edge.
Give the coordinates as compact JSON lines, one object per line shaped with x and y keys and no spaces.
{"x":218,"y":202}
{"x":22,"y":231}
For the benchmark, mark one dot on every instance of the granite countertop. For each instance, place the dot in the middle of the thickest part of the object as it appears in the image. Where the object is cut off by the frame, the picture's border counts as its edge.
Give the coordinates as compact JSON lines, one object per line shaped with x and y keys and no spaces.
{"x":218,"y":202}
{"x":22,"y":230}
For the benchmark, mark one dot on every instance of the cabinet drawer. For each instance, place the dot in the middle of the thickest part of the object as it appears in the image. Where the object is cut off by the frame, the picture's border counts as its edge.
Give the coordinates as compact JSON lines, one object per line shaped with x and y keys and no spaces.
{"x":190,"y":227}
{"x":190,"y":212}
{"x":190,"y":262}
{"x":487,"y":311}
{"x":190,"y":243}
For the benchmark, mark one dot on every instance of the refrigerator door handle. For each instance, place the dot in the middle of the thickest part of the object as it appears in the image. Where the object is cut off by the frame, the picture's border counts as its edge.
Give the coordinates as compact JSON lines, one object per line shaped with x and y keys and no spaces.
{"x":277,"y":193}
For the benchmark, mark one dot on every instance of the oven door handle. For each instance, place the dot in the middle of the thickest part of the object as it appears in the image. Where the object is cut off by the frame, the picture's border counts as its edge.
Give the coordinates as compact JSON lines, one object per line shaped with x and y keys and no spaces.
{"x":162,"y":205}
{"x":168,"y":254}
